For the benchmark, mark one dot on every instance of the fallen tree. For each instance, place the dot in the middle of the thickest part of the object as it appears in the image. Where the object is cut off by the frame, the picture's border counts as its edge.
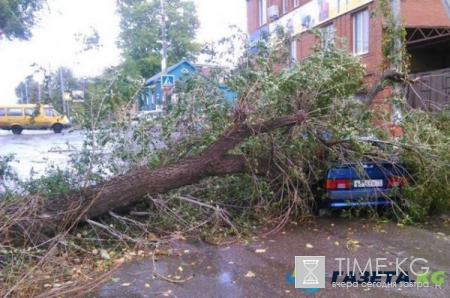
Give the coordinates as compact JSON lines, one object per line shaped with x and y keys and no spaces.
{"x":273,"y":132}
{"x":50,"y":215}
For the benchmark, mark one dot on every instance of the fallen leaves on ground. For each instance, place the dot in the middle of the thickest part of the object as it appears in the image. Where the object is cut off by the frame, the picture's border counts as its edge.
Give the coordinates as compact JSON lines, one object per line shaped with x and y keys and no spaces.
{"x":168,"y":294}
{"x":177,"y":236}
{"x":353,"y":244}
{"x":104,"y":254}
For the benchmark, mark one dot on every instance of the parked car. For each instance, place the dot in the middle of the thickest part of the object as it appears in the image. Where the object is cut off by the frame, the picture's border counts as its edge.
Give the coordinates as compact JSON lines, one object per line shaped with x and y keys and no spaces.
{"x":363,"y":183}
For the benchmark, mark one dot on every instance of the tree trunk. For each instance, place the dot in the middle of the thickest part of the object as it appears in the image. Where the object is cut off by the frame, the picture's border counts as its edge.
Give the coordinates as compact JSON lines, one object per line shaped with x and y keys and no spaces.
{"x":47,"y":216}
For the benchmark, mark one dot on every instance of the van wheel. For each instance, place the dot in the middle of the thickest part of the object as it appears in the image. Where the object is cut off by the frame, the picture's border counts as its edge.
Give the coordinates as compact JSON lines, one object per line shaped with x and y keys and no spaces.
{"x":57,"y":128}
{"x":16,"y":129}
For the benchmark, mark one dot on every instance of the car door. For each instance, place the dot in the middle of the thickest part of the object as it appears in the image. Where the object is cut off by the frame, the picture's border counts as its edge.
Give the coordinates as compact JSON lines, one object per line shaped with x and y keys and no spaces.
{"x":31,"y":115}
{"x":48,"y":117}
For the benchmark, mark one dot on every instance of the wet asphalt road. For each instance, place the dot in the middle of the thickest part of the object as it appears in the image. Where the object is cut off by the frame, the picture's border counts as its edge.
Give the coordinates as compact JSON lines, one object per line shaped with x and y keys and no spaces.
{"x":38,"y":150}
{"x":258,"y":268}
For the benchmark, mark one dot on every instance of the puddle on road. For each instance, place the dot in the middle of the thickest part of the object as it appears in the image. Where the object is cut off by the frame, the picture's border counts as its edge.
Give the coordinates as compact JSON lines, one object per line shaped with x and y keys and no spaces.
{"x":193,"y":266}
{"x":35,"y":152}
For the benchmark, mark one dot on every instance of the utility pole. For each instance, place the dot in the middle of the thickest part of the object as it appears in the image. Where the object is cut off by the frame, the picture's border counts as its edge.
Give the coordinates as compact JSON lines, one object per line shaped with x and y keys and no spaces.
{"x":164,"y":39}
{"x":61,"y":82}
{"x":397,"y":59}
{"x":26,"y":92}
{"x":164,"y":50}
{"x":39,"y":92}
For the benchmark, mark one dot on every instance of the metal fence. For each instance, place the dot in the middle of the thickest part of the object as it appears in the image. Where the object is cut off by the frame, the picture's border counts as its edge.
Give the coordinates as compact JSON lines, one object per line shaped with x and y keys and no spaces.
{"x":431,"y":91}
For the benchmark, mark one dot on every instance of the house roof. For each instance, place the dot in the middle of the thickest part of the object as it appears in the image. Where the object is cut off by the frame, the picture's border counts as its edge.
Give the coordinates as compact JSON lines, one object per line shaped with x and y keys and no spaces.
{"x":156,"y":78}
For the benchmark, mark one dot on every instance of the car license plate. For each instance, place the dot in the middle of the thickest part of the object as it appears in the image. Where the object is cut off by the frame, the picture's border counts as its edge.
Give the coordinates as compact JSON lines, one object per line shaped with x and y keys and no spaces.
{"x":368,"y":183}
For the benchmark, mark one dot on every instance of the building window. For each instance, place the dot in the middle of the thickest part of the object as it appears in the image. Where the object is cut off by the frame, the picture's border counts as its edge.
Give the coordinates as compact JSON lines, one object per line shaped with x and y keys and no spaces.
{"x":327,"y":33}
{"x":285,"y":6}
{"x":361,"y":32}
{"x":296,"y":3}
{"x":262,"y":12}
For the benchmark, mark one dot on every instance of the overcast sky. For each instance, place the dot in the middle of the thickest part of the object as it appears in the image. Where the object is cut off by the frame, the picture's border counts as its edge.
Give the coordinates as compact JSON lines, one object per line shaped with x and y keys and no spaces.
{"x":54,"y":42}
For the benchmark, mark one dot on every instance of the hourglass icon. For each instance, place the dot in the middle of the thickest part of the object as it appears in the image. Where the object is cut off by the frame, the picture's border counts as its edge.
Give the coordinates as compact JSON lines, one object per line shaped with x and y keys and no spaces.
{"x":310,"y":278}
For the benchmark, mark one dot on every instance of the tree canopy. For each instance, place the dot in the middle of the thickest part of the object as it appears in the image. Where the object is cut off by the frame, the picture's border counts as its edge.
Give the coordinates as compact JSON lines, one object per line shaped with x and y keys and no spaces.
{"x":140,"y":38}
{"x":17,"y":17}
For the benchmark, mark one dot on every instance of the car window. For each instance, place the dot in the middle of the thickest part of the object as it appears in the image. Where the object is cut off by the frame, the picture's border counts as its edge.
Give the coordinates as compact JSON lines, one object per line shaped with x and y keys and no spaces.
{"x":2,"y":112}
{"x":14,"y":112}
{"x":48,"y":112}
{"x":31,"y":112}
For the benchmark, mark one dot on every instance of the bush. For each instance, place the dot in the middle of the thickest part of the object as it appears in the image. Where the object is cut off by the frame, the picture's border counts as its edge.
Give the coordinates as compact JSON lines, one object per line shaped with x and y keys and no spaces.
{"x":426,"y":140}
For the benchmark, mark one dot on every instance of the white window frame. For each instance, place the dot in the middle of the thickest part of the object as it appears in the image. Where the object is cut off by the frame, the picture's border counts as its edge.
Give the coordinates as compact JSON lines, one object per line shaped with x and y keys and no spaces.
{"x":284,"y":6}
{"x":296,"y":3}
{"x":328,"y":34}
{"x":262,"y":12}
{"x":361,"y":32}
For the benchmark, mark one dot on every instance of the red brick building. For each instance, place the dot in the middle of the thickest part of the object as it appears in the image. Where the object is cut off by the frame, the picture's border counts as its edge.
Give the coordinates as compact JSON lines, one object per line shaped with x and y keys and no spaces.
{"x":427,"y":24}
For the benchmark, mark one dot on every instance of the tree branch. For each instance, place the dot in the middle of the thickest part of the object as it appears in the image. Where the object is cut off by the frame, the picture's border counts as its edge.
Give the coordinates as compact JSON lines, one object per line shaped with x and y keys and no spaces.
{"x":63,"y":211}
{"x":378,"y":85}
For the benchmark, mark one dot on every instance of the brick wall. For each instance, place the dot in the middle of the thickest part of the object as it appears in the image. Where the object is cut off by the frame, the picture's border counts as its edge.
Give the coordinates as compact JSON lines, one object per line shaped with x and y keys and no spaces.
{"x":415,"y":13}
{"x":343,"y":26}
{"x":424,"y":13}
{"x":252,"y":15}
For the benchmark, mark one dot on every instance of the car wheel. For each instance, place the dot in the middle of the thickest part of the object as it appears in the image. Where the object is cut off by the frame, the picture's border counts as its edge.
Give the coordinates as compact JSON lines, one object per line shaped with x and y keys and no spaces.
{"x":57,"y":128}
{"x":16,"y":129}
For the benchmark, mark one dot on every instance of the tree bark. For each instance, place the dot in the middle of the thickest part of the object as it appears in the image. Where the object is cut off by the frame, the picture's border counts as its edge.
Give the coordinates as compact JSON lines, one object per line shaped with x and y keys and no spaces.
{"x":51,"y":215}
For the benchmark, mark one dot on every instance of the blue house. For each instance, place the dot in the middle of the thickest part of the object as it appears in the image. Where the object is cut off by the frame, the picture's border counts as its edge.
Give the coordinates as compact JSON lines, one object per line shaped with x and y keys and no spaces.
{"x":152,"y":97}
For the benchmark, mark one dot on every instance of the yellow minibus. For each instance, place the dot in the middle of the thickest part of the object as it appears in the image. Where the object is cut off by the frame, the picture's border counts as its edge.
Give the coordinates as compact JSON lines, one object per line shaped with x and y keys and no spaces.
{"x":17,"y":117}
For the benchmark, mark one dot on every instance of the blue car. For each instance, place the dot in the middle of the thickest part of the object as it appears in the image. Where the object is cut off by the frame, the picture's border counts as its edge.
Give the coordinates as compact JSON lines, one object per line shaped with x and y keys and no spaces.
{"x":368,"y":183}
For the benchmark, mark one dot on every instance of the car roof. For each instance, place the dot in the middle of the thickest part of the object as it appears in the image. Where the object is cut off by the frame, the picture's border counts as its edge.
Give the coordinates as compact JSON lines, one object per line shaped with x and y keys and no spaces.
{"x":15,"y":105}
